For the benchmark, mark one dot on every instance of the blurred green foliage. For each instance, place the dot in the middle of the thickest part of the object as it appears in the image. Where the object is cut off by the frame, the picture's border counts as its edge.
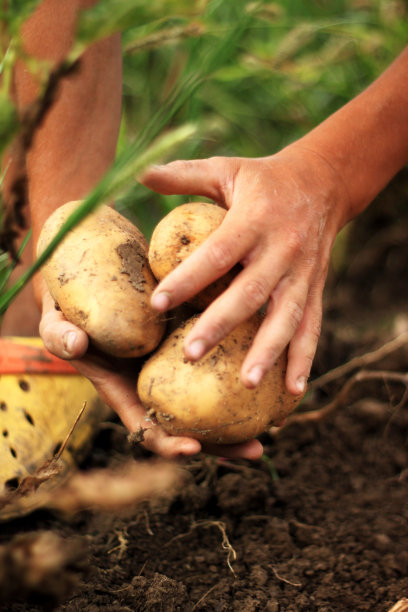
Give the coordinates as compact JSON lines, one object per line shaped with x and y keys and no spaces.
{"x":290,"y":65}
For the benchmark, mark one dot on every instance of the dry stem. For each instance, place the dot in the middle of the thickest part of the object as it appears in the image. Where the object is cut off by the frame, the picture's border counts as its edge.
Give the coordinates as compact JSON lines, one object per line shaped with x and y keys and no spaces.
{"x":361,"y":361}
{"x":341,"y":397}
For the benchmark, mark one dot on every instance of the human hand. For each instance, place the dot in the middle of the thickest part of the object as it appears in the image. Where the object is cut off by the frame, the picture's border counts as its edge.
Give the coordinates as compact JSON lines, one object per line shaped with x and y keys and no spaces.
{"x":284,"y":212}
{"x":115,"y":381}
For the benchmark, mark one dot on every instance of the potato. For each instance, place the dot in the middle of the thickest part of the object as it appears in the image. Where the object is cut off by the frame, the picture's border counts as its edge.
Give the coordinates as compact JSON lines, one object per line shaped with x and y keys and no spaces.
{"x":101,"y":280}
{"x":206,"y":399}
{"x":177,"y":235}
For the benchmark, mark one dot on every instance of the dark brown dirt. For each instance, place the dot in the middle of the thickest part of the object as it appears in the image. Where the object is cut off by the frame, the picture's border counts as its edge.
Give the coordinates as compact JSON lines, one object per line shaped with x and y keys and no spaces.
{"x":319,"y":525}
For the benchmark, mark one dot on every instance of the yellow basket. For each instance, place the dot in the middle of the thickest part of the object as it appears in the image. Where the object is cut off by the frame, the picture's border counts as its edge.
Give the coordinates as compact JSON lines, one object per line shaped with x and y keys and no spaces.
{"x":41,"y":397}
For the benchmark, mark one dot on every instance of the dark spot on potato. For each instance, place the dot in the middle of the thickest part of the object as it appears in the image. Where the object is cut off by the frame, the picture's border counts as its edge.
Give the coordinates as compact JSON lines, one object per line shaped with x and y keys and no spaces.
{"x":133,"y":259}
{"x":64,"y":278}
{"x":82,"y":317}
{"x":151,"y":386}
{"x":185,"y":239}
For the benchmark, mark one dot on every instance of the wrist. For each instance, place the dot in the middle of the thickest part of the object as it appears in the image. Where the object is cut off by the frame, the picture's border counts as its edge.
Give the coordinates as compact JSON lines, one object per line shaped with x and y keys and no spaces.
{"x":319,"y":179}
{"x":366,"y":141}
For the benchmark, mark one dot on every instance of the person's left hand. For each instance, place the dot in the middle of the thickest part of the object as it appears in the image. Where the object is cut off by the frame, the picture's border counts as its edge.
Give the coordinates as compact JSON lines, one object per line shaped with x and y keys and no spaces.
{"x":115,"y":381}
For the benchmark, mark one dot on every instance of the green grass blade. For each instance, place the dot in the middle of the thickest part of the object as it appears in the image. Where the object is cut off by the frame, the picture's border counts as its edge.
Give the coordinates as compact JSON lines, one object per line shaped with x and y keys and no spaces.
{"x":10,"y":267}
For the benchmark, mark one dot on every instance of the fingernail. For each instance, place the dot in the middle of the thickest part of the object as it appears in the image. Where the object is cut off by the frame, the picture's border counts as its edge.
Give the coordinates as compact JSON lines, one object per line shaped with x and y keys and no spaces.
{"x":255,"y":375}
{"x":196,"y":349}
{"x":69,"y":340}
{"x":301,"y":384}
{"x":161,"y":301}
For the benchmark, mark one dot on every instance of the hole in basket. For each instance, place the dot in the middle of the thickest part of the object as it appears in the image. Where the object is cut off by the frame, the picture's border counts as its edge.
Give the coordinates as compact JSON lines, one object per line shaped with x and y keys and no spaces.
{"x":5,"y":433}
{"x":57,"y":448}
{"x":13,"y":452}
{"x":11,"y":484}
{"x":29,"y":417}
{"x":23,"y":384}
{"x":3,"y":406}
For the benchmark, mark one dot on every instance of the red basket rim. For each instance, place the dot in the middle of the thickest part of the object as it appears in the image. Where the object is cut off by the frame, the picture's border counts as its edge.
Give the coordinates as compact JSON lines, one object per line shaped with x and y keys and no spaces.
{"x":16,"y":358}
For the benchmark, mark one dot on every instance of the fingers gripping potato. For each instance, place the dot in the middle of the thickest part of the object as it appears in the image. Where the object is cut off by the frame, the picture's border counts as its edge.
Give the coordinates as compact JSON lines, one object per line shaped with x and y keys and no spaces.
{"x":101,"y":280}
{"x":206,"y":399}
{"x":177,"y":235}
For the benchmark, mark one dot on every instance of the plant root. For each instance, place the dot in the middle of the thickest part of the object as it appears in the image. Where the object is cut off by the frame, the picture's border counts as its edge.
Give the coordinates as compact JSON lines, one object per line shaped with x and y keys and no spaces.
{"x":360,"y":362}
{"x":226,"y":545}
{"x":341,"y":397}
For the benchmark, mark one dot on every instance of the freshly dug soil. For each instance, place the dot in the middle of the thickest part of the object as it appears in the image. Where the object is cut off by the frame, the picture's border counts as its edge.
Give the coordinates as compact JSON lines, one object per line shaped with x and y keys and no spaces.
{"x":320,"y":524}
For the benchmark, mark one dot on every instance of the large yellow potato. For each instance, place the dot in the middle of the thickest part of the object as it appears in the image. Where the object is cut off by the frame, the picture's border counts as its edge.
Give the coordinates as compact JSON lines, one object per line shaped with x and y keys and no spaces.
{"x":101,"y":280}
{"x":177,"y":235}
{"x":206,"y":399}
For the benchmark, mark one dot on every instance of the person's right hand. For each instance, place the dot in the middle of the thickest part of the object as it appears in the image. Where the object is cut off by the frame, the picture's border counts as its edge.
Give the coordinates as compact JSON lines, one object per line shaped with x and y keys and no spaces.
{"x":283,"y":214}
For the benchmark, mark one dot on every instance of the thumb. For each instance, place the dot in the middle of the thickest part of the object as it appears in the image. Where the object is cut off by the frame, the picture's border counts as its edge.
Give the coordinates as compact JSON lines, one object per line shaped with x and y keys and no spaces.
{"x":59,"y":336}
{"x":204,"y":177}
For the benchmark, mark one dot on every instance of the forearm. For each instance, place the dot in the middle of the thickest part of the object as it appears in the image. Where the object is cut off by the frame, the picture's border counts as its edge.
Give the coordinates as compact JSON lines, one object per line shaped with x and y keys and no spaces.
{"x":75,"y":144}
{"x":366,"y":141}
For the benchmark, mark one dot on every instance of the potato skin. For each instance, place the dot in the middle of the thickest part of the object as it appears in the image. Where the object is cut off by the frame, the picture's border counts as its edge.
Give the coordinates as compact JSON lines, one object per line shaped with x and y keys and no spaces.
{"x":206,"y":399}
{"x":177,"y":235}
{"x":101,"y":280}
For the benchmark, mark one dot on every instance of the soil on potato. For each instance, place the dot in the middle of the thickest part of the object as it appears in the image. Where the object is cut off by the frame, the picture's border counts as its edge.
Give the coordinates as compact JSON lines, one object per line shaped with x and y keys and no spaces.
{"x":321,"y":524}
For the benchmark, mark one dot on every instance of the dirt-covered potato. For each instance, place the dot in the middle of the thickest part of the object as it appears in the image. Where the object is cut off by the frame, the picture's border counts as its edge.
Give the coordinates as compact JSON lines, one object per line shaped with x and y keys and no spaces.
{"x":206,"y":399}
{"x":101,"y":280}
{"x":177,"y":235}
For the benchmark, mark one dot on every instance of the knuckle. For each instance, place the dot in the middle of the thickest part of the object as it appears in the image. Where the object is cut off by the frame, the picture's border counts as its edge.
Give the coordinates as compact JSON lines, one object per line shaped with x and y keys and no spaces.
{"x":218,"y":330}
{"x":312,"y":338}
{"x":220,"y":256}
{"x":255,"y":292}
{"x":294,"y":241}
{"x":272,"y":354}
{"x":179,"y":165}
{"x":314,"y":331}
{"x":294,"y":313}
{"x":313,"y":335}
